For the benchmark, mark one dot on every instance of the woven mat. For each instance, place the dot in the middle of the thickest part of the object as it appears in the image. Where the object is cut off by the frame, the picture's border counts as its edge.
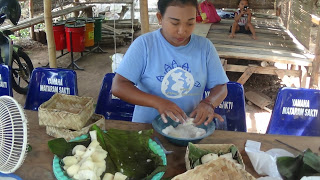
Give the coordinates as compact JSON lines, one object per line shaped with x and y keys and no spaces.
{"x":220,"y":169}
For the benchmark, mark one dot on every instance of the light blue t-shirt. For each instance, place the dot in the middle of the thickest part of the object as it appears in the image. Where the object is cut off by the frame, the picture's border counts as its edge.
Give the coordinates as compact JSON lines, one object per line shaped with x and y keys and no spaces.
{"x":179,"y":74}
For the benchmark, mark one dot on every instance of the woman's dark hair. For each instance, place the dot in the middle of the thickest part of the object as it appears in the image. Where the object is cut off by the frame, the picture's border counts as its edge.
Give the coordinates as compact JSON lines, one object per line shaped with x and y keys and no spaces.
{"x":163,"y":4}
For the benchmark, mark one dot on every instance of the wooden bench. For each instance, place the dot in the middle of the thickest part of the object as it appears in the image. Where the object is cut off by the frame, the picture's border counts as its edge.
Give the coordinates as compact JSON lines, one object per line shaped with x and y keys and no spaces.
{"x":273,"y":45}
{"x":39,"y":19}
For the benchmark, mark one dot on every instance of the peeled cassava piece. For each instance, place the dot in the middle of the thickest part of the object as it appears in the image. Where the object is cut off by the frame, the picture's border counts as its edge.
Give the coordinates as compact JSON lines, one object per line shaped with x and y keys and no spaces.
{"x":209,"y":157}
{"x":89,"y":164}
{"x":108,"y":176}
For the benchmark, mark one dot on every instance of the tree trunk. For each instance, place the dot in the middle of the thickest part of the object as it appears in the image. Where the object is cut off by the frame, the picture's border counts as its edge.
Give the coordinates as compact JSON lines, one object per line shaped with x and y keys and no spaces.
{"x":315,"y":64}
{"x":144,"y":16}
{"x":49,"y":32}
{"x":31,"y":16}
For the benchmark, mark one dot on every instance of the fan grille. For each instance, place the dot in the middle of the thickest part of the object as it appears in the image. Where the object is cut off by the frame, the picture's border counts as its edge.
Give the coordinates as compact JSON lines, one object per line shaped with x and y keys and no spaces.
{"x":13,"y":135}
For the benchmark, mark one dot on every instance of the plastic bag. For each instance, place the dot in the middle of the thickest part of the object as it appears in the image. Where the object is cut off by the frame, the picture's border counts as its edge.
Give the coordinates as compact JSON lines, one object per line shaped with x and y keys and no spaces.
{"x":116,"y":59}
{"x":208,"y":12}
{"x":264,"y":163}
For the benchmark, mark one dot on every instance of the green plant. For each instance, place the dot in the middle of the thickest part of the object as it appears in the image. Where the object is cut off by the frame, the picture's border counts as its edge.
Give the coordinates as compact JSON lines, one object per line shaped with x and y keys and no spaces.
{"x":24,"y":33}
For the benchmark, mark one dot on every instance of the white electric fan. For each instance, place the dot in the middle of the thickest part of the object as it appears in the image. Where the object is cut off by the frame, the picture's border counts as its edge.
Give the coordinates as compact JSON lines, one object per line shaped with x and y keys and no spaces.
{"x":13,"y":135}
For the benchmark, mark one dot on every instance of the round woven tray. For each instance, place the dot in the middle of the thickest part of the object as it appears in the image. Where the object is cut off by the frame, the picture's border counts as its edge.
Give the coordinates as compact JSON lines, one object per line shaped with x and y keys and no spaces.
{"x":216,"y":170}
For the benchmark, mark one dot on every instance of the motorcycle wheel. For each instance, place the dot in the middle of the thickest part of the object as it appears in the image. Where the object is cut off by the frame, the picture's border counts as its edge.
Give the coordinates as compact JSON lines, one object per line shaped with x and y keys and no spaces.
{"x":22,"y":68}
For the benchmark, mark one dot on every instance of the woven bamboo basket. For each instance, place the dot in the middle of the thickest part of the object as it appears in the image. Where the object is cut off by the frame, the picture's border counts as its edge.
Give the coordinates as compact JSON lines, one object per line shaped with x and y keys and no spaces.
{"x":68,"y":134}
{"x":215,"y":148}
{"x":66,"y":111}
{"x":216,"y":170}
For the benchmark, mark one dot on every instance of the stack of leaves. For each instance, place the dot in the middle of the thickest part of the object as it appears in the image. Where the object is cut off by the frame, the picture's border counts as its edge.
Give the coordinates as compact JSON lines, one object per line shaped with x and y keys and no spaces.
{"x":305,"y":164}
{"x":128,"y":152}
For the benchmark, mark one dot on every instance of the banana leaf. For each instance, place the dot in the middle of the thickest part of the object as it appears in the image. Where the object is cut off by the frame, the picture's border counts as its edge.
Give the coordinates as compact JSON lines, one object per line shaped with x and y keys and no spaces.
{"x":288,"y":167}
{"x":129,"y":153}
{"x":305,"y":164}
{"x":62,"y":148}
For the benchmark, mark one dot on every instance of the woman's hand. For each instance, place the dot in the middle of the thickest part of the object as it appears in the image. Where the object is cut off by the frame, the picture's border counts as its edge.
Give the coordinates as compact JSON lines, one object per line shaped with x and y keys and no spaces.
{"x":169,"y":109}
{"x":204,"y":112}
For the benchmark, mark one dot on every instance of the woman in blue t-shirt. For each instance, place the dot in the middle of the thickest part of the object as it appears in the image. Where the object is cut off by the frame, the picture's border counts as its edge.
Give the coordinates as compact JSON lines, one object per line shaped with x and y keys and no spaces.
{"x":166,"y":71}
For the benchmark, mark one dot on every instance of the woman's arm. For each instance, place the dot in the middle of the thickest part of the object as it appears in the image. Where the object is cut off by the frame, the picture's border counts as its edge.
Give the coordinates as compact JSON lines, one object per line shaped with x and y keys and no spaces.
{"x":217,"y":95}
{"x":125,"y":90}
{"x":204,"y":112}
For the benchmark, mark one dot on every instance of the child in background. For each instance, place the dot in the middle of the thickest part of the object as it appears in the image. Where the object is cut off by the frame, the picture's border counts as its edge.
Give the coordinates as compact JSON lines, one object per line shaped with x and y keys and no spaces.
{"x":242,"y":21}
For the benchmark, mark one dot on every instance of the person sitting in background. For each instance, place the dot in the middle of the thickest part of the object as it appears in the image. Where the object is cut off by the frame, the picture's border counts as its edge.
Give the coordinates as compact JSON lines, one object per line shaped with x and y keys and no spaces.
{"x":242,"y":21}
{"x":171,"y":68}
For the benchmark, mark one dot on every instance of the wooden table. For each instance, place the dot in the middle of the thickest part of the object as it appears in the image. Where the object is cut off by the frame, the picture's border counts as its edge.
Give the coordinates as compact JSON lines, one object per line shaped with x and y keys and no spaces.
{"x":38,"y":163}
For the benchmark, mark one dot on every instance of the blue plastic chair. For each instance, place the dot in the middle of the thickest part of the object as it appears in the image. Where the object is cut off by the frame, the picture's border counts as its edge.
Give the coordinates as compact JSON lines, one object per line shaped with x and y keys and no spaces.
{"x":5,"y":81}
{"x":296,"y":112}
{"x":45,"y":82}
{"x":111,"y":107}
{"x":232,"y":109}
{"x":10,"y":176}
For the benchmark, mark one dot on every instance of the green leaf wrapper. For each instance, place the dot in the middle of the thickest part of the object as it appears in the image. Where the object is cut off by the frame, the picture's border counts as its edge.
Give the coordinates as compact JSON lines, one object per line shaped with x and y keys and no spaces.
{"x":305,"y":164}
{"x":62,"y":148}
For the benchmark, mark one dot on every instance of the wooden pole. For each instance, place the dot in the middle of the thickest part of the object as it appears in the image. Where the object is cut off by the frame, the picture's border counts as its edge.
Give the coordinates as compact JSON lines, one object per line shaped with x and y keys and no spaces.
{"x":132,"y":21}
{"x":144,"y":16}
{"x":32,"y":36}
{"x":89,"y":12}
{"x":314,"y":81}
{"x":76,"y":13}
{"x":49,"y":33}
{"x":62,"y":17}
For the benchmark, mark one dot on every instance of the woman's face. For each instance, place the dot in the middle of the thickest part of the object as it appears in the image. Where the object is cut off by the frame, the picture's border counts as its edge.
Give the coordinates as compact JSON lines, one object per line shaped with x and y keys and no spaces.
{"x":178,"y":23}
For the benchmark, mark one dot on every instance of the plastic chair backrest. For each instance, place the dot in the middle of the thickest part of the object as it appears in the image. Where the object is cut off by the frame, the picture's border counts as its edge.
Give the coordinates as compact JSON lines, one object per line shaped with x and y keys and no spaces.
{"x":45,"y":82}
{"x":296,"y":112}
{"x":5,"y":81}
{"x":232,"y":109}
{"x":111,"y":107}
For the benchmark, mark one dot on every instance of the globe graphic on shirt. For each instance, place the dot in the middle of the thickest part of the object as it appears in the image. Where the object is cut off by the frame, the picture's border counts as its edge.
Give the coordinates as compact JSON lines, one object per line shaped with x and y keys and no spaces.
{"x":177,"y":83}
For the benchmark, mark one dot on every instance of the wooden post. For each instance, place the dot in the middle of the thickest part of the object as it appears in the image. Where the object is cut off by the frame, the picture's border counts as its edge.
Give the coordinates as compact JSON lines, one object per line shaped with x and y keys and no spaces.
{"x":246,"y":75}
{"x":132,"y":19}
{"x":88,"y":12}
{"x":314,"y":82}
{"x":144,"y":16}
{"x":278,"y":11}
{"x":61,"y":8}
{"x":49,"y":32}
{"x":30,"y":17}
{"x":76,"y":13}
